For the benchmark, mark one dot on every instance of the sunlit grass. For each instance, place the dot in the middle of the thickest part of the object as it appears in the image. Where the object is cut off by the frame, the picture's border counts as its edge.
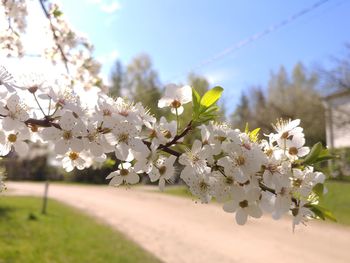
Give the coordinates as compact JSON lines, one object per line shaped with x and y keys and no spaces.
{"x":178,"y":190}
{"x":337,"y":200}
{"x":63,"y":235}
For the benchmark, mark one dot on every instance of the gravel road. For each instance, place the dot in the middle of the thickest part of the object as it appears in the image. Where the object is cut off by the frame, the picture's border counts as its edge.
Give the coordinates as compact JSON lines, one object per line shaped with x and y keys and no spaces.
{"x":179,"y":230}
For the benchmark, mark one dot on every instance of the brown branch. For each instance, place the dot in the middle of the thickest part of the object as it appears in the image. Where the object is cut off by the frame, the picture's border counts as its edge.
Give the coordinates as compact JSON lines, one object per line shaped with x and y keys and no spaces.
{"x":48,"y":16}
{"x":164,"y":149}
{"x":177,"y":137}
{"x":48,"y":122}
{"x":272,"y":191}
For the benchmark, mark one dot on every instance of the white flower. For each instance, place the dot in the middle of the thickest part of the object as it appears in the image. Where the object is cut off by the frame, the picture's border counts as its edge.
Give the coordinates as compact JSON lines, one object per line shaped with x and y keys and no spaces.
{"x":156,"y":134}
{"x":125,"y":137}
{"x":212,"y":145}
{"x":67,"y":137}
{"x":283,"y":189}
{"x":272,"y":172}
{"x":125,"y":174}
{"x":305,"y":180}
{"x":163,"y":171}
{"x":145,"y":115}
{"x":200,"y":185}
{"x":290,"y":138}
{"x":104,"y":111}
{"x":162,"y":132}
{"x":224,"y":185}
{"x":127,"y":111}
{"x":146,"y":160}
{"x":174,"y":97}
{"x":64,"y":98}
{"x":244,"y":203}
{"x":195,"y":158}
{"x":7,"y":80}
{"x":301,"y":214}
{"x":295,"y":147}
{"x":15,"y":112}
{"x":167,"y":128}
{"x":15,"y":139}
{"x":95,"y":142}
{"x":286,"y":129}
{"x":243,"y":161}
{"x":73,"y":159}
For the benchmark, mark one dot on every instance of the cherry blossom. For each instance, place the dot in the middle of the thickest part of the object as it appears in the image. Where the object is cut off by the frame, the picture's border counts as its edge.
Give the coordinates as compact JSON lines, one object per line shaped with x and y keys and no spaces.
{"x":163,"y":171}
{"x":246,"y":173}
{"x":244,"y":203}
{"x":15,"y":139}
{"x":125,"y":174}
{"x":175,"y":97}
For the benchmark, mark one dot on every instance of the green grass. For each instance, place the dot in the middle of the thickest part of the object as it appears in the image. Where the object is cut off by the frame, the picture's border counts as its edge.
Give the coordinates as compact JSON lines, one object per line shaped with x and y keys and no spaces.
{"x":63,"y":235}
{"x":337,"y":200}
{"x":178,"y":190}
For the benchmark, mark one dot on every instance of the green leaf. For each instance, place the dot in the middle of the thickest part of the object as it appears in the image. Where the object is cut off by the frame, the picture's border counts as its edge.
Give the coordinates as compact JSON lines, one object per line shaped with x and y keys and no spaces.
{"x":57,"y":13}
{"x":211,"y":96}
{"x":246,"y":129}
{"x":254,"y":135}
{"x":211,"y":109}
{"x":321,"y":212}
{"x":196,"y":103}
{"x":318,"y":189}
{"x":318,"y":213}
{"x":324,"y":156}
{"x":317,"y":154}
{"x":315,"y":151}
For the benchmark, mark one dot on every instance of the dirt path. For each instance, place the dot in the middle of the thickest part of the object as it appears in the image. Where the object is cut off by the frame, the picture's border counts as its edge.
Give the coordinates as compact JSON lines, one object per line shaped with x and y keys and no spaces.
{"x":179,"y":230}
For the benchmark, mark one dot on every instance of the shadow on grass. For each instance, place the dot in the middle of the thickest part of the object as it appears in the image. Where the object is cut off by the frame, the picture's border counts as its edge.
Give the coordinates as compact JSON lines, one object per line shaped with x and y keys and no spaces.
{"x":5,"y":212}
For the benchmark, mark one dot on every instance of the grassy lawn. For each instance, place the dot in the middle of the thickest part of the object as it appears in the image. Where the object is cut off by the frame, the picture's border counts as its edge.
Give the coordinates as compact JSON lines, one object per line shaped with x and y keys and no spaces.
{"x":64,"y":235}
{"x":337,"y":200}
{"x":178,"y":190}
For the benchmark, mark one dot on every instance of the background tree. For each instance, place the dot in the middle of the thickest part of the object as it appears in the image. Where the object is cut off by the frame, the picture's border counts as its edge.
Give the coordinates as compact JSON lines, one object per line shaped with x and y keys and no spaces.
{"x":242,"y":114}
{"x":338,"y":77}
{"x":141,"y":83}
{"x":117,"y":77}
{"x":293,"y":97}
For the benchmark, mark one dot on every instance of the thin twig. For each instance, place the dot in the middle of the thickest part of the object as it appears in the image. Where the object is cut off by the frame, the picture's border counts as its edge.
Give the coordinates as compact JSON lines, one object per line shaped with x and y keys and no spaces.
{"x":37,"y":102}
{"x":48,"y":16}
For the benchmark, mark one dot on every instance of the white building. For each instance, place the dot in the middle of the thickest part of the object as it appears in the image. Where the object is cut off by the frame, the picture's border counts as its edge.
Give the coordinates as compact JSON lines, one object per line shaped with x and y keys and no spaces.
{"x":337,"y":107}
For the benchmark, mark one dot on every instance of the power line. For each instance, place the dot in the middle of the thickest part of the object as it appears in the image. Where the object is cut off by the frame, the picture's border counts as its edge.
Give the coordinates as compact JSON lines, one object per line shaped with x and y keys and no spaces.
{"x":238,"y":45}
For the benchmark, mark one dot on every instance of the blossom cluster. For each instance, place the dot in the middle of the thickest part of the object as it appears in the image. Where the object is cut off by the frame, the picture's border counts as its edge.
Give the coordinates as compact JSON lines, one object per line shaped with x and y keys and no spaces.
{"x":15,"y":11}
{"x":71,"y":48}
{"x":64,"y":46}
{"x":248,"y":175}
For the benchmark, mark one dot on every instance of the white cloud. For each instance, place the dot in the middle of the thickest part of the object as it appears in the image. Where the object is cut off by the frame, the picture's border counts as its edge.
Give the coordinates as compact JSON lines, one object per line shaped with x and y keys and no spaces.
{"x":106,"y":7}
{"x":110,"y":8}
{"x":93,"y":1}
{"x":220,"y":75}
{"x":109,"y":57}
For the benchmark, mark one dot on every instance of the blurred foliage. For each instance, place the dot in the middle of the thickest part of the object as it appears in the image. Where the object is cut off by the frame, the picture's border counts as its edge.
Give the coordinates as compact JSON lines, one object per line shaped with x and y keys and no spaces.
{"x":338,"y":77}
{"x":337,"y":200}
{"x":339,"y":168}
{"x":93,"y":174}
{"x":138,"y":82}
{"x":36,"y":169}
{"x":288,"y":97}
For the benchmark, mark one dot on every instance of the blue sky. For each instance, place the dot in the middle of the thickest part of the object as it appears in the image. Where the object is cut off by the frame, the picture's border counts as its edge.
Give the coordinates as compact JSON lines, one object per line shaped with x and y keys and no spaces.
{"x":180,"y":34}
